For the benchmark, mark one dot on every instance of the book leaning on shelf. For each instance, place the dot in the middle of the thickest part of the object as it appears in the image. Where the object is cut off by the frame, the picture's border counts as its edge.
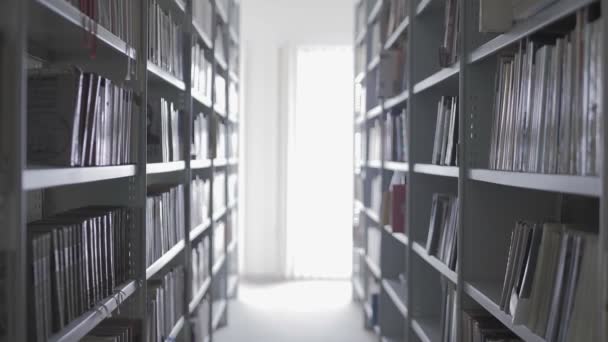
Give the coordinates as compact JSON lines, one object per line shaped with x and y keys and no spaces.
{"x":478,"y":325}
{"x":448,"y":312}
{"x":164,"y":220}
{"x":396,"y":136}
{"x":551,"y":281}
{"x":75,"y":260}
{"x":78,"y":118}
{"x":164,"y":40}
{"x":165,"y":304}
{"x":164,"y":129}
{"x":200,"y":192}
{"x":448,"y":51}
{"x":200,"y":264}
{"x":443,"y":229}
{"x":445,"y":144}
{"x":394,"y":205}
{"x":115,"y":330}
{"x":548,"y":104}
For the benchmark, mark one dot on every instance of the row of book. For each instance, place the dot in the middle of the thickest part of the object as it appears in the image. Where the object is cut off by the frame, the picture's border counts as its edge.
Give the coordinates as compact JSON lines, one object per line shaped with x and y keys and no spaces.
{"x":200,"y":191}
{"x":443,"y":229}
{"x":165,"y":304}
{"x":115,"y":330}
{"x":113,"y":15}
{"x":164,"y":132}
{"x":164,"y":220}
{"x":202,"y":72}
{"x":200,"y":264}
{"x":219,"y":192}
{"x":448,"y":312}
{"x":219,"y":239}
{"x":220,"y":148}
{"x":396,"y":146}
{"x":75,"y":259}
{"x":200,"y":138}
{"x":374,"y":151}
{"x":445,"y":144}
{"x":551,"y":280}
{"x":165,"y":40}
{"x":478,"y":325}
{"x":77,"y":118}
{"x":396,"y":12}
{"x":547,"y":109}
{"x":448,"y":51}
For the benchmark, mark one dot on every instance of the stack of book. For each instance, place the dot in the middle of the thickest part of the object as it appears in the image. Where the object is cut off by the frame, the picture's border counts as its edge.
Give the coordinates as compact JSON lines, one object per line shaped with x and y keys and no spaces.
{"x":219,"y":238}
{"x":77,"y":119}
{"x":478,"y":325}
{"x":200,"y":321}
{"x":164,"y":40}
{"x":113,"y":15}
{"x":200,"y":264}
{"x":164,"y":132}
{"x":76,"y":259}
{"x":551,"y":281}
{"x":201,"y":72}
{"x":396,"y":137}
{"x":445,"y":144}
{"x":165,"y":304}
{"x":547,"y":108}
{"x":219,"y":192}
{"x":396,"y":12}
{"x":448,"y":312}
{"x":443,"y":229}
{"x":200,"y":191}
{"x":164,"y":220}
{"x":448,"y":52}
{"x":202,"y":15}
{"x":200,"y":139}
{"x":115,"y":330}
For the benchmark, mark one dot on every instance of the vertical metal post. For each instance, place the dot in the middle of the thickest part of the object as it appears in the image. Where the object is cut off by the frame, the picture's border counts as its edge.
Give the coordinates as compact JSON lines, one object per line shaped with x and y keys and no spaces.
{"x":408,"y":336}
{"x":213,"y":127}
{"x":603,"y":229}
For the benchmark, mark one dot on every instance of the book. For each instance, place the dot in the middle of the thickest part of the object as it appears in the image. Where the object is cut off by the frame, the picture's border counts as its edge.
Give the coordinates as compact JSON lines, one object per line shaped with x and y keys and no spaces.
{"x":445,"y":143}
{"x":164,"y":220}
{"x":165,"y":305}
{"x":478,"y":325}
{"x":200,"y":264}
{"x":442,"y":234}
{"x":115,"y":330}
{"x":164,"y":132}
{"x":396,"y":137}
{"x":201,"y":72}
{"x":448,"y":51}
{"x":200,"y":191}
{"x":165,"y":40}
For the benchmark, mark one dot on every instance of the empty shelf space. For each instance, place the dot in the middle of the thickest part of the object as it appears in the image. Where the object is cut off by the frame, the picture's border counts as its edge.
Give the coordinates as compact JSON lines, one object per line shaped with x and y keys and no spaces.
{"x":428,"y":329}
{"x":400,"y":237}
{"x":395,"y":291}
{"x":435,"y":263}
{"x":394,"y":37}
{"x":397,"y":100}
{"x":437,"y":170}
{"x":373,"y":15}
{"x":219,"y":308}
{"x":233,"y":282}
{"x":41,"y":178}
{"x":570,"y":184}
{"x":217,"y":266}
{"x":438,"y":77}
{"x":157,"y":168}
{"x":358,"y":289}
{"x":199,"y":295}
{"x":373,"y":268}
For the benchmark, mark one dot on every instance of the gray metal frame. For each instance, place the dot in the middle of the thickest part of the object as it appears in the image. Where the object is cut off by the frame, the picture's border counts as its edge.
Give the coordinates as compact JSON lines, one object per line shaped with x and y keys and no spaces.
{"x":28,"y":194}
{"x":487,"y":197}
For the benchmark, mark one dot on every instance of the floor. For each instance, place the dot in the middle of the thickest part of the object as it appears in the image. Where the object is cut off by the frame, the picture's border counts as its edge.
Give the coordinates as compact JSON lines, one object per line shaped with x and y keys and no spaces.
{"x":302,"y":311}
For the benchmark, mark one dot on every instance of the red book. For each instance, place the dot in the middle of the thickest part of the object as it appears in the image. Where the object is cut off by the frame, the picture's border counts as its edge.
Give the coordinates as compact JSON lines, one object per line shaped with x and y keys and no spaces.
{"x":398,"y":208}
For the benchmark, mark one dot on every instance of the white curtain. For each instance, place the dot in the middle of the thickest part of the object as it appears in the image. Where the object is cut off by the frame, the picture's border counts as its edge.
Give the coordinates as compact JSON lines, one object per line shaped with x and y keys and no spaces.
{"x":319,"y":163}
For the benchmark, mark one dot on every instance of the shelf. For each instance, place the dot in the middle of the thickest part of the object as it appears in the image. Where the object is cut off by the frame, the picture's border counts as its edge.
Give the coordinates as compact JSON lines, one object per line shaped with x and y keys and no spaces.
{"x":200,"y":294}
{"x":221,"y":61}
{"x":397,"y":100}
{"x":177,"y":328}
{"x":204,"y":37}
{"x":159,"y":75}
{"x":221,"y":11}
{"x":201,"y":99}
{"x":157,"y":168}
{"x":359,"y":120}
{"x":233,"y":162}
{"x":373,"y":268}
{"x":218,"y":265}
{"x":358,"y":288}
{"x":427,"y":329}
{"x":220,"y":214}
{"x":374,"y":62}
{"x":374,"y":112}
{"x":423,"y":5}
{"x":233,"y":35}
{"x":219,"y":308}
{"x":200,"y":164}
{"x":396,"y":166}
{"x":233,"y":76}
{"x":577,"y":185}
{"x":436,"y":78}
{"x":233,"y":282}
{"x":164,"y":260}
{"x":373,"y":15}
{"x":231,"y":246}
{"x":374,"y":164}
{"x":199,"y":230}
{"x":395,"y":291}
{"x":394,"y":37}
{"x":57,"y":25}
{"x":478,"y":291}
{"x":400,"y":237}
{"x":360,"y":77}
{"x":435,"y":263}
{"x":528,"y":26}
{"x":372,"y":215}
{"x":80,"y":327}
{"x":437,"y":170}
{"x":41,"y":178}
{"x":360,"y":38}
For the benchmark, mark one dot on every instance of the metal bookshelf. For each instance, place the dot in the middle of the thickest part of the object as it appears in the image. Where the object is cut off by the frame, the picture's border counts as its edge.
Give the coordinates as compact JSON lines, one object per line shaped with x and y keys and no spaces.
{"x":53,"y":31}
{"x":490,"y":201}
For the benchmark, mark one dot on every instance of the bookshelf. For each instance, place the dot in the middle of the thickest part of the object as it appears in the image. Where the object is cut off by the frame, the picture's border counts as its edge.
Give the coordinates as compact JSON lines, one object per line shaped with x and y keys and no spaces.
{"x":399,"y":280}
{"x":55,"y":33}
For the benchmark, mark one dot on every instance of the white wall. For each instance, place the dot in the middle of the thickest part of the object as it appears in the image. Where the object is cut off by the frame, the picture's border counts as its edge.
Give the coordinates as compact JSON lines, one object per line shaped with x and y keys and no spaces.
{"x":267,"y":26}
